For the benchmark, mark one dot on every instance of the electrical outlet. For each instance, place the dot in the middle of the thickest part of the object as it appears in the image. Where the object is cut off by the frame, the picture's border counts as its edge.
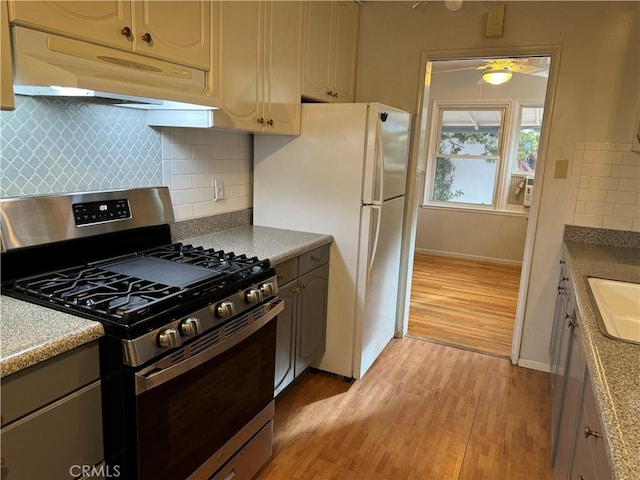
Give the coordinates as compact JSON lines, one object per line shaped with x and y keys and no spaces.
{"x":218,"y":189}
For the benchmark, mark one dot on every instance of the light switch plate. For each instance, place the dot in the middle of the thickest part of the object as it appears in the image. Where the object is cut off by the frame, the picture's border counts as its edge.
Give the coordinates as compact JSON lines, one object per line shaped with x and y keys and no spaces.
{"x":561,"y":169}
{"x":218,"y":189}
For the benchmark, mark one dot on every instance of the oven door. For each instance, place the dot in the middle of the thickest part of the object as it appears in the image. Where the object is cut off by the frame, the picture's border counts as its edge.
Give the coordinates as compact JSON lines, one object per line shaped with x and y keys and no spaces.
{"x":193,"y":415}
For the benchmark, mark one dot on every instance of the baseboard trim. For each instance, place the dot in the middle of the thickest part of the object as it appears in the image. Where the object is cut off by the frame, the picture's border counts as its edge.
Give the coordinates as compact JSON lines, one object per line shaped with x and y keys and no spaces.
{"x":542,"y":367}
{"x":479,"y":258}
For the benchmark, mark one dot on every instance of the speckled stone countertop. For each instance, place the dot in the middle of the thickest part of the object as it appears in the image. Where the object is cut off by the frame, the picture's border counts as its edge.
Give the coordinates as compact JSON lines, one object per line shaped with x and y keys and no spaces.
{"x":263,"y":242}
{"x":614,"y":366}
{"x":30,"y":334}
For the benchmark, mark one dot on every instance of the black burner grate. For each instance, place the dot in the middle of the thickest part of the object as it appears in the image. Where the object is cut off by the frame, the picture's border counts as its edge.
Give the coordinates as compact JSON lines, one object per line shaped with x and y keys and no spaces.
{"x":135,"y":287}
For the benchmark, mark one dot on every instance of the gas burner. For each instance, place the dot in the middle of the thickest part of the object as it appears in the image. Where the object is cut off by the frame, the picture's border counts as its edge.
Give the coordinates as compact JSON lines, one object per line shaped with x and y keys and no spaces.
{"x":144,"y":288}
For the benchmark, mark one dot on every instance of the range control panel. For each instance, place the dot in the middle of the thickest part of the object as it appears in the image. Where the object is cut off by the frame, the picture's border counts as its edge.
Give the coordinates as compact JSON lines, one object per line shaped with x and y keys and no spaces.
{"x":99,"y":212}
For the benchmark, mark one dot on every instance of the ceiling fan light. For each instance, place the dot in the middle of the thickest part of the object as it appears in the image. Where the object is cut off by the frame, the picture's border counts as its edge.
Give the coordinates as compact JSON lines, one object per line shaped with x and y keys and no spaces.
{"x":453,"y":5}
{"x":497,"y":76}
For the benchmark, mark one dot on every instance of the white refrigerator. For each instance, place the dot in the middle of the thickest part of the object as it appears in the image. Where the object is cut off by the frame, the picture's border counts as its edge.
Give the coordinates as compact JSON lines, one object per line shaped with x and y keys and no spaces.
{"x":345,"y":175}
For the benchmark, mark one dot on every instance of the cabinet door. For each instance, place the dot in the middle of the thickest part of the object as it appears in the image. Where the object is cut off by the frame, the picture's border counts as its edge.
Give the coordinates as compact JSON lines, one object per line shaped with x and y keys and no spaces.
{"x":343,"y":83}
{"x":282,"y":82}
{"x":570,"y":408}
{"x":52,"y":441}
{"x":560,"y":308}
{"x":312,"y":317}
{"x":6,"y":69}
{"x":98,"y":22}
{"x":177,"y":31}
{"x":590,"y":437}
{"x":582,"y":463}
{"x":239,"y":34}
{"x":285,"y":338}
{"x":317,"y":57}
{"x":563,"y":329}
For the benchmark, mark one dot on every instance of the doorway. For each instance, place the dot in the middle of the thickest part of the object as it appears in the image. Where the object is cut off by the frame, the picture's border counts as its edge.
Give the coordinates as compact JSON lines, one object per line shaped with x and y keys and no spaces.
{"x":478,"y":147}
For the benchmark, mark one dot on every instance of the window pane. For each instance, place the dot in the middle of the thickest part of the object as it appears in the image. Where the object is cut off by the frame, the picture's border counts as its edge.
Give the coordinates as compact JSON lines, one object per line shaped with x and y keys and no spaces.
{"x":470,"y":132}
{"x":528,"y":140}
{"x":464,"y":180}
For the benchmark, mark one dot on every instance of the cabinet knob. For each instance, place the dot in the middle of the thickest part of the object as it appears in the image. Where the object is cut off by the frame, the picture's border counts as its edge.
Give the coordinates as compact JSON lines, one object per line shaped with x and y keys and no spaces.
{"x":591,"y":433}
{"x":330,"y":93}
{"x":335,"y":95}
{"x":295,"y":290}
{"x":571,"y":322}
{"x":260,"y":121}
{"x":147,"y":38}
{"x":126,"y":32}
{"x":270,"y":122}
{"x":561,"y":290}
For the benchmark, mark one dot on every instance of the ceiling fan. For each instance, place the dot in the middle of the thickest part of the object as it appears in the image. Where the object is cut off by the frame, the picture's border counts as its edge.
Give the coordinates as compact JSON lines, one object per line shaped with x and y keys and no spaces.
{"x":497,"y":71}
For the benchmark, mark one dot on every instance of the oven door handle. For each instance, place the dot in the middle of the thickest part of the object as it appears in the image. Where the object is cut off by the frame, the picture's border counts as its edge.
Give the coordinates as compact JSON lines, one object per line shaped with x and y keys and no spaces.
{"x":151,"y":377}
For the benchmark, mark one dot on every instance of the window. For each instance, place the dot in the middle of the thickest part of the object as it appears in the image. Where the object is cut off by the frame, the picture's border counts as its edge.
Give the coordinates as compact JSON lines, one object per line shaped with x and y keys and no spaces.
{"x":467,"y":156}
{"x":478,"y":156}
{"x":528,"y":140}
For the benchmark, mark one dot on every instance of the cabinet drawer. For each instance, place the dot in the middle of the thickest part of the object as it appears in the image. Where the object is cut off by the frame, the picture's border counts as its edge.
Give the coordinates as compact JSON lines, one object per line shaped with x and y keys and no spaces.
{"x":27,"y":390}
{"x":287,"y":271}
{"x":52,"y":441}
{"x":313,"y":259}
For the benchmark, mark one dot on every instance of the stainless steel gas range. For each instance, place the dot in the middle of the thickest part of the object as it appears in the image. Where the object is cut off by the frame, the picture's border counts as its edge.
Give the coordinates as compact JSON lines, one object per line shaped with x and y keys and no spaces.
{"x":187,"y":362}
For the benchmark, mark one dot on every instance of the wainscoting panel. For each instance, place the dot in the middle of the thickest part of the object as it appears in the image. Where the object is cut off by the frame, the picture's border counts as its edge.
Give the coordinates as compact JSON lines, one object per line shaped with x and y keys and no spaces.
{"x":484,"y":236}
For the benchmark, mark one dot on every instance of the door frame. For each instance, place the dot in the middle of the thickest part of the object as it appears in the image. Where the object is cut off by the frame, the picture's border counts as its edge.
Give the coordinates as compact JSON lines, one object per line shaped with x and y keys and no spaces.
{"x":415,"y":186}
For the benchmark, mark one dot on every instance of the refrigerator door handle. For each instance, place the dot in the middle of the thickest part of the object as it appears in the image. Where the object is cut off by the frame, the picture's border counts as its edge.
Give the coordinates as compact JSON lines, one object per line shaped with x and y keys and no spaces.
{"x":380,"y":162}
{"x":374,"y":249}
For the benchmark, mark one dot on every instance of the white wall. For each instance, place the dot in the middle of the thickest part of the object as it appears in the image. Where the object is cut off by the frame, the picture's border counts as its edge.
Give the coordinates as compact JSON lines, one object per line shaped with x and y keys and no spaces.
{"x":482,"y":236}
{"x":596,"y":99}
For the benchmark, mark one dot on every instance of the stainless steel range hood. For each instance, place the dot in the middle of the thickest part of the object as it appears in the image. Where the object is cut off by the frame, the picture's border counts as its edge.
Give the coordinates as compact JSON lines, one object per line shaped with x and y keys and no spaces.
{"x":50,"y":65}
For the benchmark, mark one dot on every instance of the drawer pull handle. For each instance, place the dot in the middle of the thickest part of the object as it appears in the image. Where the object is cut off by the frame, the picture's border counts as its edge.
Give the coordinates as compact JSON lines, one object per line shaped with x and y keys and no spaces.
{"x":147,"y":38}
{"x":126,"y":32}
{"x":591,"y":433}
{"x":315,"y":259}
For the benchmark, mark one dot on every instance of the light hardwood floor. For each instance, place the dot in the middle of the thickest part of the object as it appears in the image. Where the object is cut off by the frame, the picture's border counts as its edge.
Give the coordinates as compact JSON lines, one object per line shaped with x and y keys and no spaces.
{"x":423,"y":411}
{"x":464,"y":303}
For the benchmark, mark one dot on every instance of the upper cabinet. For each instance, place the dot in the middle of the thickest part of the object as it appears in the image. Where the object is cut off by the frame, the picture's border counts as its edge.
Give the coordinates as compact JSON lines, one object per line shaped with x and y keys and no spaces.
{"x":256,"y":65}
{"x":6,"y":70}
{"x":177,"y":31}
{"x":330,"y":49}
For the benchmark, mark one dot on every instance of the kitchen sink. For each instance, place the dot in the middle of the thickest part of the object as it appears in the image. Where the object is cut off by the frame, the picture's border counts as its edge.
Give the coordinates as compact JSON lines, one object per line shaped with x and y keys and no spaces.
{"x":617,"y":308}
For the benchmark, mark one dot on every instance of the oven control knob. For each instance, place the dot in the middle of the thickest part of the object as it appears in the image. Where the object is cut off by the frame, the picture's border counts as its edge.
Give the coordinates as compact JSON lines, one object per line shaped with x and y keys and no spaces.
{"x":169,"y":338}
{"x":254,"y":296}
{"x":268,"y":290}
{"x":226,"y":310}
{"x":190,"y":327}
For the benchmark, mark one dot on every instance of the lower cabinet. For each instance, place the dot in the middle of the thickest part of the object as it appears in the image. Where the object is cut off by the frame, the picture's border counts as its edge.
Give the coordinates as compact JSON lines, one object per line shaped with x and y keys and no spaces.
{"x":590,"y":460}
{"x":301,"y":333}
{"x":577,"y":448}
{"x":576,"y":368}
{"x":52,"y":418}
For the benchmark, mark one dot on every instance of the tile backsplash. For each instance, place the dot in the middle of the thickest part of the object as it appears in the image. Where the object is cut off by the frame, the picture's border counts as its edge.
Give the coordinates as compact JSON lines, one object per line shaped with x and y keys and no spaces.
{"x":194,"y":158}
{"x":50,"y":145}
{"x":605,"y":187}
